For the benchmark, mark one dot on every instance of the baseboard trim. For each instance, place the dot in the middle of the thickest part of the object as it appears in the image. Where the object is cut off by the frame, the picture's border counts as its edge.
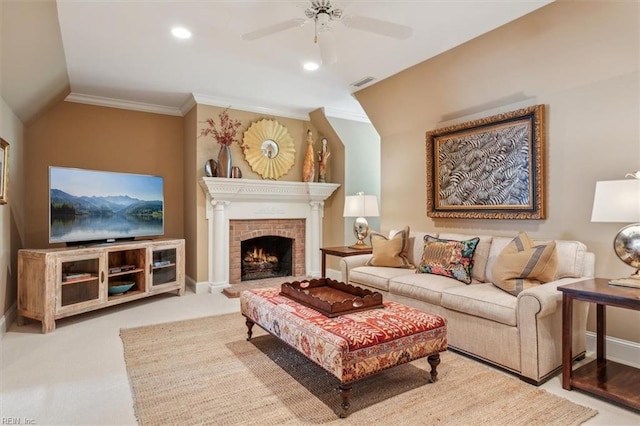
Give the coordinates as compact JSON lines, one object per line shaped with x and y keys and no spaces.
{"x":217,"y":288}
{"x":203,"y":286}
{"x":7,"y":319}
{"x":334,"y":274}
{"x":619,"y":350}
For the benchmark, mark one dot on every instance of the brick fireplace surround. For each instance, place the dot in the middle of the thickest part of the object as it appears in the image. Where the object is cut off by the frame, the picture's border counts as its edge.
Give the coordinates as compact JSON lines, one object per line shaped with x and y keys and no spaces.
{"x":291,"y":209}
{"x":242,"y":230}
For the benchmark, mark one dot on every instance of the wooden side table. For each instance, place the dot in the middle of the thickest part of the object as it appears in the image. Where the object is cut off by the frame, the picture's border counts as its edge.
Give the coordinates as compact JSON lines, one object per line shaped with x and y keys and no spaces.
{"x":607,"y":379}
{"x":343,"y":251}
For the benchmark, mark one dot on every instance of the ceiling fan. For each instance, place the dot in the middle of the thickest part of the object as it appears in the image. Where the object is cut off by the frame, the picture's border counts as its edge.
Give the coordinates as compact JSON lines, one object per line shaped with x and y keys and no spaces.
{"x":323,"y":14}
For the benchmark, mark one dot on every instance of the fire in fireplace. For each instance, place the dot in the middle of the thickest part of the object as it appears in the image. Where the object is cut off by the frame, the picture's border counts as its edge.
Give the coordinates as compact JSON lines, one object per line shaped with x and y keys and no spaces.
{"x":266,"y":257}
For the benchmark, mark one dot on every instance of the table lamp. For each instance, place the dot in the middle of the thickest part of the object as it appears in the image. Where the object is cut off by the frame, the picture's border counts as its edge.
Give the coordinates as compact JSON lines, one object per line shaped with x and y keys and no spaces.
{"x":619,"y":201}
{"x":360,"y":206}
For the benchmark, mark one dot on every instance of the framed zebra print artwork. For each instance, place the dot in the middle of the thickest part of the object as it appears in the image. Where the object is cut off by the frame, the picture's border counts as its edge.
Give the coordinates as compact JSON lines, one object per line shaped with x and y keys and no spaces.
{"x":491,"y":168}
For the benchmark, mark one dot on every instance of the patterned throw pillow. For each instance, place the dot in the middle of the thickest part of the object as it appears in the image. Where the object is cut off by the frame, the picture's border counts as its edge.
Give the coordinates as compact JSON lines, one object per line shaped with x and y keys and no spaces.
{"x":390,"y":252}
{"x":449,"y":258}
{"x":521,"y":265}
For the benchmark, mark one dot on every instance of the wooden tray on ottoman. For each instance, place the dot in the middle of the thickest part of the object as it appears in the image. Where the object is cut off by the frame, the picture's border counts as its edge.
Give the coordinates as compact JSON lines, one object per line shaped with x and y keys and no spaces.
{"x":330,"y":297}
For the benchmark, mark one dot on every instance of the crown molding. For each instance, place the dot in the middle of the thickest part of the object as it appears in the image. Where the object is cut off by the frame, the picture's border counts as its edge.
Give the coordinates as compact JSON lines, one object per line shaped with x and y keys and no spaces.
{"x":189,"y":103}
{"x":239,"y":105}
{"x":346,"y":115}
{"x":195,"y":99}
{"x":122,"y":104}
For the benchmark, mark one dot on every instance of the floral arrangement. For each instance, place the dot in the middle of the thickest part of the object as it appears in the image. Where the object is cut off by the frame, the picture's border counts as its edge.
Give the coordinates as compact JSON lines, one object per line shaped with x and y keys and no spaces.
{"x":225,"y":133}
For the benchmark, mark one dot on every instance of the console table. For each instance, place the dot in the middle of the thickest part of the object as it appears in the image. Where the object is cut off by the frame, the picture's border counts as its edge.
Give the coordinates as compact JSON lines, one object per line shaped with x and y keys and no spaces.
{"x":342,"y":251}
{"x":607,"y":379}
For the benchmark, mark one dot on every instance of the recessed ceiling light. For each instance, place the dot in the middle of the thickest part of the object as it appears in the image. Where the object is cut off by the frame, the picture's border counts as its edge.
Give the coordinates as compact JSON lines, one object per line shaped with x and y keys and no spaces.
{"x":311,"y":66}
{"x":180,"y":32}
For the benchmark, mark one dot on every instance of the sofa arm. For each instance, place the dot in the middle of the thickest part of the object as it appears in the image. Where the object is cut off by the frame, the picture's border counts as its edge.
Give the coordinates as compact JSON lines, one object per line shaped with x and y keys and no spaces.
{"x":543,"y":300}
{"x":350,"y":262}
{"x":539,"y":317}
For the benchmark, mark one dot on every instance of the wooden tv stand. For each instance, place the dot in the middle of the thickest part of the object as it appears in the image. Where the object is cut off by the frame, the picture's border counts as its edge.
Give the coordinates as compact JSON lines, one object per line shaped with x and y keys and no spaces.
{"x":61,"y":282}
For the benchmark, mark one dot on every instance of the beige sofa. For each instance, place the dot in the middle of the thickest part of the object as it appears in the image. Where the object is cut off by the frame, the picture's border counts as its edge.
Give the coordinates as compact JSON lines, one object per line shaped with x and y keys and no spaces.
{"x":522,"y":334}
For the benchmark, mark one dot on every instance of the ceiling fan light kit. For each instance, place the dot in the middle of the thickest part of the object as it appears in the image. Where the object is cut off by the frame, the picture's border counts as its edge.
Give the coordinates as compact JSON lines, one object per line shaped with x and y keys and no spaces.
{"x":323,"y":13}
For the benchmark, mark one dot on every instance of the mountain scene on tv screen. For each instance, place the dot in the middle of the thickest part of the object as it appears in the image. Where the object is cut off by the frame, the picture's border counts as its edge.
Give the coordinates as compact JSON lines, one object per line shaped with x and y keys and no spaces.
{"x":77,"y":218}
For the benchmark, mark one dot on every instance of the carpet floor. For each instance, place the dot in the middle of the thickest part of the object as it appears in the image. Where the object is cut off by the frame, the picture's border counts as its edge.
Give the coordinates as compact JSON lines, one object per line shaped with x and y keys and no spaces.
{"x":203,"y":371}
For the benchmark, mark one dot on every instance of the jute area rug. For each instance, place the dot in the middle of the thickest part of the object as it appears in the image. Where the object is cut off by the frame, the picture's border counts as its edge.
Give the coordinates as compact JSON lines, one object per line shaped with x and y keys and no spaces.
{"x":204,"y":372}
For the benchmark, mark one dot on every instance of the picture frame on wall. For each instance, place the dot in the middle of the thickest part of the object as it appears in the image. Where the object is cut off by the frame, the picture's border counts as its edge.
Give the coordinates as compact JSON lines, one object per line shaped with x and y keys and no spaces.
{"x":491,"y":168}
{"x":4,"y":170}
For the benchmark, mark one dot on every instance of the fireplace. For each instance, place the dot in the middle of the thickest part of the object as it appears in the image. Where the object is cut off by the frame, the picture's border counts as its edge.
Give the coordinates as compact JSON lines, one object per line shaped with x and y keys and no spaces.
{"x":240,"y":209}
{"x":248,"y":236}
{"x":266,"y":257}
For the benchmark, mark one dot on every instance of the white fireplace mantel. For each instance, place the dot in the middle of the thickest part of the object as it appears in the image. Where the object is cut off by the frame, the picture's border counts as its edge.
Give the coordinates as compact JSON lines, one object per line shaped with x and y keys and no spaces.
{"x":234,"y":199}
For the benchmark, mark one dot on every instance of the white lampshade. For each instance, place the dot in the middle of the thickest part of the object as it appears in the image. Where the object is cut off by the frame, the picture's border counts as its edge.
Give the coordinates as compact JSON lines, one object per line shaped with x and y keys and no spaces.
{"x":617,"y":201}
{"x":361,"y":206}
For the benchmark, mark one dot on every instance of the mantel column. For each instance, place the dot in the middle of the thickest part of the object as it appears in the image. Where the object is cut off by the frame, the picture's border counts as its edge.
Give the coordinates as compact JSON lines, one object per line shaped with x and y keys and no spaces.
{"x":219,"y":244}
{"x":315,"y":238}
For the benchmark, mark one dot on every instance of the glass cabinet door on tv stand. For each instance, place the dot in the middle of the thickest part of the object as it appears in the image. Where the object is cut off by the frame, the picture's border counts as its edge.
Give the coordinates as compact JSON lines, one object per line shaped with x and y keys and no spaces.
{"x":166,"y":264}
{"x":80,"y":283}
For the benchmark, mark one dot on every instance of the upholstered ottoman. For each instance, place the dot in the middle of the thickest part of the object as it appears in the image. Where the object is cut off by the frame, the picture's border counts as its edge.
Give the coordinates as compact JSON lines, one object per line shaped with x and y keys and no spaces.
{"x":351,"y":346}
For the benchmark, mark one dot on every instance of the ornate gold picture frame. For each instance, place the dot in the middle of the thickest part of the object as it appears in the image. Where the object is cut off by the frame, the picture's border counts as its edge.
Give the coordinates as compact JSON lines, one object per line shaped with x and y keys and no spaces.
{"x":268,"y":148}
{"x":4,"y":170}
{"x":492,"y":168}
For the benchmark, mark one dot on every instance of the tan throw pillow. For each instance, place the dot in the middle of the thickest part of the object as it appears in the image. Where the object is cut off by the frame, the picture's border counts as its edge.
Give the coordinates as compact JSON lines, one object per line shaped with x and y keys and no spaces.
{"x":521,"y":265}
{"x":449,"y":258}
{"x":391,"y":252}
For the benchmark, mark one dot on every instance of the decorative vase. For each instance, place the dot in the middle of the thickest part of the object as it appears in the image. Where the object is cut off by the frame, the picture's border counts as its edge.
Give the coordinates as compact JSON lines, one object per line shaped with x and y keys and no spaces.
{"x":308,"y":167}
{"x":224,"y":161}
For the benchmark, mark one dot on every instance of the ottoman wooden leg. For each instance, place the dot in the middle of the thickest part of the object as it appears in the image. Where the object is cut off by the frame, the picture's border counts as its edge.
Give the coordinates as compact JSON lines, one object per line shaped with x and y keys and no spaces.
{"x":249,"y":327}
{"x":434,"y":360}
{"x":345,"y":393}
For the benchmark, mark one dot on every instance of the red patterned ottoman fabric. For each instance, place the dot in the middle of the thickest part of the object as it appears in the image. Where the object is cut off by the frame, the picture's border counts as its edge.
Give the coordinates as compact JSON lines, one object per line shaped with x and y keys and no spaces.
{"x":349,"y":346}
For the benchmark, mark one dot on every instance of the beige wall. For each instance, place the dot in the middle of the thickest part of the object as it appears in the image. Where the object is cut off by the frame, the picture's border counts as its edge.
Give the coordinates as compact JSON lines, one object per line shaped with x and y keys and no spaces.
{"x":333,"y":222}
{"x":99,"y":138}
{"x":11,"y":214}
{"x":207,"y":148}
{"x":578,"y":58}
{"x":191,"y":192}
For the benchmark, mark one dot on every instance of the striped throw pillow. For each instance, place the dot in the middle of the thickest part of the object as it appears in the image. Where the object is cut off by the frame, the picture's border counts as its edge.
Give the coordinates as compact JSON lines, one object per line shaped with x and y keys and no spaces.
{"x":521,"y":265}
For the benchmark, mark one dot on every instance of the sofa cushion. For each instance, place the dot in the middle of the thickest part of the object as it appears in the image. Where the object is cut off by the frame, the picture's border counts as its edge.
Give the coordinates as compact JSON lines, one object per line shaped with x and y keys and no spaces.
{"x":523,"y":265}
{"x":482,"y":300}
{"x":449,"y":258}
{"x":427,"y":288}
{"x":571,"y":258}
{"x":481,"y":255}
{"x":390,"y":252}
{"x":376,"y":276}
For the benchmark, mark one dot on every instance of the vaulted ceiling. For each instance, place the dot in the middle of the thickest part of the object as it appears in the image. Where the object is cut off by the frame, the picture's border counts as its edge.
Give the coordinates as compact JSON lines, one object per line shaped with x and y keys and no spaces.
{"x":122,"y":53}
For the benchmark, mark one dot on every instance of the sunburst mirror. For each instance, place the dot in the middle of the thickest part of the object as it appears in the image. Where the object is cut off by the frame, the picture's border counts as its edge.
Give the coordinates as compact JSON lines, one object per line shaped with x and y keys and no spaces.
{"x":268,"y":148}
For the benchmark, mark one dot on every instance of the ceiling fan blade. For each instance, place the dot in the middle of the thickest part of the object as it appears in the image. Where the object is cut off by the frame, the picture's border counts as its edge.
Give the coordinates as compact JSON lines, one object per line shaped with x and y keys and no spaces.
{"x":378,"y":26}
{"x":327,"y":46}
{"x":272,"y":29}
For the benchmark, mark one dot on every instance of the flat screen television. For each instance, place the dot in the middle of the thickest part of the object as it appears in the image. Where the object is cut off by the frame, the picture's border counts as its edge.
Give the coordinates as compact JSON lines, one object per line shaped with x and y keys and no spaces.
{"x":92,"y":206}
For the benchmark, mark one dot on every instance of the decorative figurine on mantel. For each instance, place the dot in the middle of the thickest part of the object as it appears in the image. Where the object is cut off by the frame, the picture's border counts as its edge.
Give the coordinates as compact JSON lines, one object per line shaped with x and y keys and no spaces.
{"x":308,"y":167}
{"x":323,"y":156}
